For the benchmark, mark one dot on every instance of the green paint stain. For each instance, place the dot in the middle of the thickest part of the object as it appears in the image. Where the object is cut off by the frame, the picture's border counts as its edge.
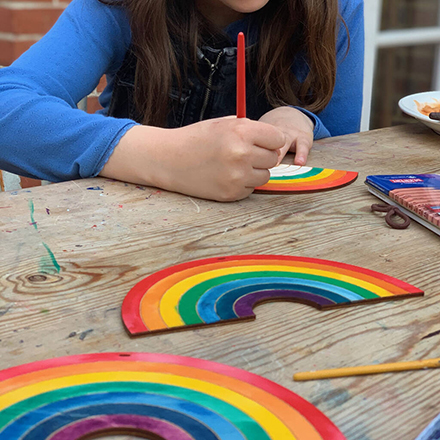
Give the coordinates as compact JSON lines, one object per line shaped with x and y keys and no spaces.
{"x":32,"y":209}
{"x":48,"y":263}
{"x":44,"y":311}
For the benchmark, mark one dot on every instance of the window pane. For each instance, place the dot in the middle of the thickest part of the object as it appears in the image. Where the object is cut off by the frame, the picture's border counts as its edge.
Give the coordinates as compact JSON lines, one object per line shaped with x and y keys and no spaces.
{"x":400,"y":71}
{"x":401,"y":14}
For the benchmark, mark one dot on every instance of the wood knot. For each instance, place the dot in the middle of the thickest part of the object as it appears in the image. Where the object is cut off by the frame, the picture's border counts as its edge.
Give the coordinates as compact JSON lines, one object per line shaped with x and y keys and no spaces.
{"x":41,"y":278}
{"x":36,"y":278}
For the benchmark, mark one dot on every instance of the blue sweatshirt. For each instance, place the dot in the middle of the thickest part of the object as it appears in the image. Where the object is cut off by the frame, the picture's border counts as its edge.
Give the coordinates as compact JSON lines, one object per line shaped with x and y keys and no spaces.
{"x":42,"y":133}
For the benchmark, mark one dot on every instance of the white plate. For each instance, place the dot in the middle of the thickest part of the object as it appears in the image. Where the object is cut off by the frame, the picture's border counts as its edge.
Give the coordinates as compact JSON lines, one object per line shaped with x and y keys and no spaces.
{"x":408,"y":106}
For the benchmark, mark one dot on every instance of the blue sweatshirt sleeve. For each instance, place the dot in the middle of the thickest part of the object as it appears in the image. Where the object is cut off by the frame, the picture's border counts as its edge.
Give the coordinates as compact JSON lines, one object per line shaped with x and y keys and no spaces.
{"x":42,"y":133}
{"x":343,"y":113}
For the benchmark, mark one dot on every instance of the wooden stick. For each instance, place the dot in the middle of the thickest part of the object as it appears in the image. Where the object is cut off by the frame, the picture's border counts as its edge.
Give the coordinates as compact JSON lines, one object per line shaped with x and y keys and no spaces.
{"x":368,"y":369}
{"x":241,"y":77}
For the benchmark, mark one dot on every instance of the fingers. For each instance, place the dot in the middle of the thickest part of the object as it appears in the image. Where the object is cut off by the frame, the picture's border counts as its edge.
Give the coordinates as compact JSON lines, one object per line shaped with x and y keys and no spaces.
{"x":257,"y":178}
{"x":303,"y":147}
{"x":234,"y":196}
{"x":264,"y":135}
{"x":264,"y":159}
{"x":282,"y":152}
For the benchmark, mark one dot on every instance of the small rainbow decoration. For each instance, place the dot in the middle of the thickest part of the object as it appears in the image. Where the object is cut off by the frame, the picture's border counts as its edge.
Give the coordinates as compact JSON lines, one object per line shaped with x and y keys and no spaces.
{"x":162,"y":396}
{"x":293,"y":178}
{"x":225,"y":289}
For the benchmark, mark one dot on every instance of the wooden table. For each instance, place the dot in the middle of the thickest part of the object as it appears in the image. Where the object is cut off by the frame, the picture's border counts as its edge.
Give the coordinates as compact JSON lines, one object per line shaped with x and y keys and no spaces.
{"x":69,"y":255}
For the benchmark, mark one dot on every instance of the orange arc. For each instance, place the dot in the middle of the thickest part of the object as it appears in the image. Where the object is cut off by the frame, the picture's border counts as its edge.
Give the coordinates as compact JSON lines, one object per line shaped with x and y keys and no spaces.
{"x":294,"y":421}
{"x":149,"y":307}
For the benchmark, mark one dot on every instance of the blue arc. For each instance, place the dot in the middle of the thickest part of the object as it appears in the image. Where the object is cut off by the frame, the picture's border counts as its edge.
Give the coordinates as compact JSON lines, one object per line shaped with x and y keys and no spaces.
{"x":206,"y":306}
{"x":197,"y":420}
{"x":225,"y":306}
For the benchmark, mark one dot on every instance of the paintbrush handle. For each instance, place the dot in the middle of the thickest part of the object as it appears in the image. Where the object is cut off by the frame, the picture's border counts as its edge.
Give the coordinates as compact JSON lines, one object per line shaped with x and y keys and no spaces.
{"x":368,"y":369}
{"x":241,"y":76}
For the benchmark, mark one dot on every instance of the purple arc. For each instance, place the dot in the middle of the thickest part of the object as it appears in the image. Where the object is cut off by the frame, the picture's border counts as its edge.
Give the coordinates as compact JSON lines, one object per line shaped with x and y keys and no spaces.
{"x":243,"y":307}
{"x":108,"y":423}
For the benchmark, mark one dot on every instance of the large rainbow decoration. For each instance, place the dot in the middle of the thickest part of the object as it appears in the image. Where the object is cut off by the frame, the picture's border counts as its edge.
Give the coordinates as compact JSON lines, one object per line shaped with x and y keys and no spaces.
{"x":293,"y":178}
{"x":165,"y":397}
{"x":216,"y":290}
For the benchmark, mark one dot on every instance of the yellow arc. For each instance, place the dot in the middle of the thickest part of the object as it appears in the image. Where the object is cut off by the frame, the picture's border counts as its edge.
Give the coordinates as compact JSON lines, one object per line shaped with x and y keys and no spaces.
{"x":169,"y":303}
{"x":322,"y":175}
{"x":274,"y":427}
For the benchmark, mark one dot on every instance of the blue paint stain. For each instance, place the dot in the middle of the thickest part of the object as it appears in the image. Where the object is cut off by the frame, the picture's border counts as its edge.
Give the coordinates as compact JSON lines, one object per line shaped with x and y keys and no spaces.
{"x":95,"y":188}
{"x":14,"y":193}
{"x":333,"y":398}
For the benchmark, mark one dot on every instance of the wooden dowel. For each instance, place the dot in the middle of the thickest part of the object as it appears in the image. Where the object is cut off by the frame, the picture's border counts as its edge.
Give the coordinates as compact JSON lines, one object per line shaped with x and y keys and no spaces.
{"x":368,"y":369}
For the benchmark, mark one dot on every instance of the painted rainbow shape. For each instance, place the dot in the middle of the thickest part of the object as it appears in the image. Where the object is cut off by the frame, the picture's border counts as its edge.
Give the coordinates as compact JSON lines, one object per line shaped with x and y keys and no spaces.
{"x":293,"y":178}
{"x":162,"y":396}
{"x":223,"y":289}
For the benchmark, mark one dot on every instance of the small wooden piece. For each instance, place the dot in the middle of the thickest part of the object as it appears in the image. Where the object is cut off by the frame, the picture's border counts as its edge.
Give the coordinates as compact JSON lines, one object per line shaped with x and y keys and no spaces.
{"x":225,"y":289}
{"x":165,"y":396}
{"x":287,"y":178}
{"x":368,"y":369}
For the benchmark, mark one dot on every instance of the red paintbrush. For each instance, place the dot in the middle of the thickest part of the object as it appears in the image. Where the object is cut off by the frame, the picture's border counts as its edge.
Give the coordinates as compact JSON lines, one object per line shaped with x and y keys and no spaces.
{"x":241,"y":77}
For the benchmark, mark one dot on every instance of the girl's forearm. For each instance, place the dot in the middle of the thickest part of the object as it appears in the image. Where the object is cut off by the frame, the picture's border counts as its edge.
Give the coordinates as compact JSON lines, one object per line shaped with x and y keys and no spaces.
{"x":135,"y":158}
{"x":221,"y":159}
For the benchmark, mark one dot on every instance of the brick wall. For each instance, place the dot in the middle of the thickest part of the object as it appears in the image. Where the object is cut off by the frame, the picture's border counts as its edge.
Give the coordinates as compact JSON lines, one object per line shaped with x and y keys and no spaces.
{"x":22,"y":23}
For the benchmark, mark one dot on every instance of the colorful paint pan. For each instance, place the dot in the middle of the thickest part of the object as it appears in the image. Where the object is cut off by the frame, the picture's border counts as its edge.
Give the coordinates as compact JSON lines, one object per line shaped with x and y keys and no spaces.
{"x":223,"y":289}
{"x":154,"y":395}
{"x":292,"y":178}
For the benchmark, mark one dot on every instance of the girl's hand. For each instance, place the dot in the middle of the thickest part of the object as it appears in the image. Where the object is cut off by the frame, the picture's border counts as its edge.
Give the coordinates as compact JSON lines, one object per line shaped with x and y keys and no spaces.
{"x":221,"y":159}
{"x":298,"y":129}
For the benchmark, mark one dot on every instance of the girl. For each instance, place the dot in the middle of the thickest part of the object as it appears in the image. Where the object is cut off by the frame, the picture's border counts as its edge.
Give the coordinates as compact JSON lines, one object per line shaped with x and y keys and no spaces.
{"x":170,"y":68}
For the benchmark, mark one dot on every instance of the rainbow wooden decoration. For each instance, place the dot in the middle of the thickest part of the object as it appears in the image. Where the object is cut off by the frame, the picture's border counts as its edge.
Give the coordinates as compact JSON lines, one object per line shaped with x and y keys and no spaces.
{"x":225,"y":289}
{"x":164,"y":397}
{"x":292,"y":178}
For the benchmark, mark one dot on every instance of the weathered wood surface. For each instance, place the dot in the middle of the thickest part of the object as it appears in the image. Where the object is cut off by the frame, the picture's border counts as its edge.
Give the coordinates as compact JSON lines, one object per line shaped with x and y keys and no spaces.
{"x":69,"y":254}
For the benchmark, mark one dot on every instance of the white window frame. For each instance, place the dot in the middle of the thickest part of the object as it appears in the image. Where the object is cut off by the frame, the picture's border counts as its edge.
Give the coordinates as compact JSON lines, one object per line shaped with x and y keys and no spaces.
{"x":376,"y":39}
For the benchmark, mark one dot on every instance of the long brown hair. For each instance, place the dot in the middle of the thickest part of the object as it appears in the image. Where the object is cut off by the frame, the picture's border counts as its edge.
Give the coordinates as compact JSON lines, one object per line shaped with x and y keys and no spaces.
{"x":286,"y":28}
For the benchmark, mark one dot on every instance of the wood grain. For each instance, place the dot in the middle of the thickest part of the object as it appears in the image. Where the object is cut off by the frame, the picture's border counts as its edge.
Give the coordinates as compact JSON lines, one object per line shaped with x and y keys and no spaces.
{"x":69,"y":255}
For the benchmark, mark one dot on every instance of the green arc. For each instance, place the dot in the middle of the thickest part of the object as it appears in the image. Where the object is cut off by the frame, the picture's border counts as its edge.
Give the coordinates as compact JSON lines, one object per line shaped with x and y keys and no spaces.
{"x":187,"y":307}
{"x":313,"y":172}
{"x":248,"y":426}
